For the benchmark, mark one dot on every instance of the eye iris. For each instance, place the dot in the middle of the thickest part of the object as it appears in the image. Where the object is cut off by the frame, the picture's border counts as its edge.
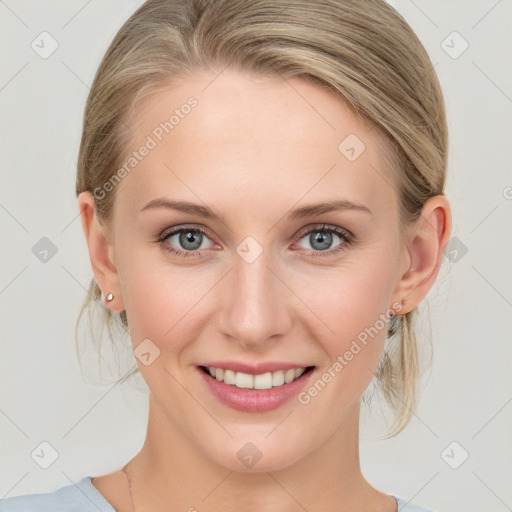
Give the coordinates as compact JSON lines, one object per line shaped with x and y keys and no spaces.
{"x":189,"y":237}
{"x":325,"y":240}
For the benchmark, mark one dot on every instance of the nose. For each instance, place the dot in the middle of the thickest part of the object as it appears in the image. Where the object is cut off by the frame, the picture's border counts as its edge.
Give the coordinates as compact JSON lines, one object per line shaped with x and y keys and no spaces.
{"x":254,"y":303}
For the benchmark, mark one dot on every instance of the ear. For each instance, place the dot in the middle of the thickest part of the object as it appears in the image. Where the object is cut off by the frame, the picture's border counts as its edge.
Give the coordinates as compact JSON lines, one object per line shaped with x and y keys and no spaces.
{"x":424,"y":242}
{"x":101,"y":252}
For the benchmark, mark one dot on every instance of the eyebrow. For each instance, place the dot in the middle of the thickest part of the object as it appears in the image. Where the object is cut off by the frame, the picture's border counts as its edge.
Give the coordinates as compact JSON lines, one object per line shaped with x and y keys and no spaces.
{"x":299,"y":213}
{"x":329,"y":206}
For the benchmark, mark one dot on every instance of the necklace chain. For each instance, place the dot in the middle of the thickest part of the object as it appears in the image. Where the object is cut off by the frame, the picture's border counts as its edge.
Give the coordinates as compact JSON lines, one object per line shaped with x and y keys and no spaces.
{"x":129,"y":484}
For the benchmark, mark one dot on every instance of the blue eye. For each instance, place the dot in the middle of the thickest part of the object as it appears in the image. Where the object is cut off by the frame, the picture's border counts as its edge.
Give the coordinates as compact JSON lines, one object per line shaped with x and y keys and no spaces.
{"x":190,"y":239}
{"x":321,"y":238}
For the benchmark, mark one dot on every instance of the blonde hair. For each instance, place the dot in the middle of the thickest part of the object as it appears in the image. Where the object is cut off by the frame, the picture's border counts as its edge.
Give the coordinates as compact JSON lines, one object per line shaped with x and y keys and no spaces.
{"x":364,"y":52}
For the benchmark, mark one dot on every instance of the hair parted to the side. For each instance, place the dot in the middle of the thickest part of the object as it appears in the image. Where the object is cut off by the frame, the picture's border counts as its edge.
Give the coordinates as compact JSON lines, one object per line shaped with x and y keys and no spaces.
{"x":365,"y":52}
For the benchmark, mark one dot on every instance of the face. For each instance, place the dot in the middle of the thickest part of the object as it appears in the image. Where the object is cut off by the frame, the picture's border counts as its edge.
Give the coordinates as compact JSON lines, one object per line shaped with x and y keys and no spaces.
{"x":266,"y":283}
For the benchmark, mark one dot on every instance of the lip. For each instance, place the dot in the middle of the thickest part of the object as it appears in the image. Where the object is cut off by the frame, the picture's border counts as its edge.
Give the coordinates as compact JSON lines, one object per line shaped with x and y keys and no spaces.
{"x":255,"y":369}
{"x":254,"y":400}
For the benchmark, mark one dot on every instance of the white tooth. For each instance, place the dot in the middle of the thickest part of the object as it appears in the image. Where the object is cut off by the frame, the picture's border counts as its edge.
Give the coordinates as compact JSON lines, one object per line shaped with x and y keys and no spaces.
{"x":229,"y":377}
{"x":278,"y":378}
{"x":244,"y":380}
{"x":289,"y":376}
{"x":299,"y":372}
{"x":263,"y":381}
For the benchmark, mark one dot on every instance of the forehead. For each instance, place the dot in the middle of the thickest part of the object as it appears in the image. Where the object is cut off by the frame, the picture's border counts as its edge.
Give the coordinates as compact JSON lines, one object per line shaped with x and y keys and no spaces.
{"x":246,"y":140}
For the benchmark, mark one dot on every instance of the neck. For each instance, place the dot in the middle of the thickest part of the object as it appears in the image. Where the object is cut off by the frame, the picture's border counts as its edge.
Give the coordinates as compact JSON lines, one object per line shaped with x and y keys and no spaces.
{"x":170,"y":472}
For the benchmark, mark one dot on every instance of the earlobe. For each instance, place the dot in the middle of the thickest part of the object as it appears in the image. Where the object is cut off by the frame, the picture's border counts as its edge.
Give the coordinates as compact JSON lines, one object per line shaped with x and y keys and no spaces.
{"x":100,"y":252}
{"x":425,"y":245}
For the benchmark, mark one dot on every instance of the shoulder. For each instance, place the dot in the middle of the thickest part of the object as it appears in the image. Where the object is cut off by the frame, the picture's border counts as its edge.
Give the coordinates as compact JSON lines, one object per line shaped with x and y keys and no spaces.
{"x":78,"y":497}
{"x":406,"y":506}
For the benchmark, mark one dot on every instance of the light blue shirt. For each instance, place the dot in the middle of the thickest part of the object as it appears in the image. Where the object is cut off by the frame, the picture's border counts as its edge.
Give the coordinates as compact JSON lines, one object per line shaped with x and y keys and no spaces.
{"x":84,"y":497}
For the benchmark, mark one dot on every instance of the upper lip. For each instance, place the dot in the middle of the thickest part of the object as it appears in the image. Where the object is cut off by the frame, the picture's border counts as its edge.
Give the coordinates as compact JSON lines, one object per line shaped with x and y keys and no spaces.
{"x":254,"y":369}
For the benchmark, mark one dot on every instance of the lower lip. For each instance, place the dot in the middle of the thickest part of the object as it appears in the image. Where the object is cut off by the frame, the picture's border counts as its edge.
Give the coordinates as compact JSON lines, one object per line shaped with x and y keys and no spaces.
{"x":255,"y":400}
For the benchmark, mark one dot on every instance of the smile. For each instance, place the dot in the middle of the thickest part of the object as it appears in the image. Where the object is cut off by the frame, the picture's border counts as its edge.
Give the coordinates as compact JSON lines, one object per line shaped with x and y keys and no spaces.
{"x":254,"y":392}
{"x":266,"y":380}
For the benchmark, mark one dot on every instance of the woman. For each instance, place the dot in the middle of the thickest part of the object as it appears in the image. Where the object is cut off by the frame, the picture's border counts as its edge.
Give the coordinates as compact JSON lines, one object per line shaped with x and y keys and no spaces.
{"x":261,"y":188}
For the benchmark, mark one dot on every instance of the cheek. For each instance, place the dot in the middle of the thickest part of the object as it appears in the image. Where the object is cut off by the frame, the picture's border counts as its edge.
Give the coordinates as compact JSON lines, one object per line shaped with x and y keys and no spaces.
{"x":162,"y":301}
{"x":351,"y":308}
{"x":163,"y":305}
{"x":348,"y":299}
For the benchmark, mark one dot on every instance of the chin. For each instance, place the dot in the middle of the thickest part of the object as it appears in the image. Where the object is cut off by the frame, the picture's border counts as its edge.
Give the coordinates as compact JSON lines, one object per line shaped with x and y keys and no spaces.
{"x":257,"y":456}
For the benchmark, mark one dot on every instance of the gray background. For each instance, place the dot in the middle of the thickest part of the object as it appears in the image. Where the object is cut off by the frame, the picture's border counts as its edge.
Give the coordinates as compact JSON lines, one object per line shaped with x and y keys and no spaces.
{"x":95,"y":428}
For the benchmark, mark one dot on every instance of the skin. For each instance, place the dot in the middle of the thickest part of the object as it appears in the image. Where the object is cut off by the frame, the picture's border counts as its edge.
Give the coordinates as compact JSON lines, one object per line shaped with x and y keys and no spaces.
{"x":254,"y":149}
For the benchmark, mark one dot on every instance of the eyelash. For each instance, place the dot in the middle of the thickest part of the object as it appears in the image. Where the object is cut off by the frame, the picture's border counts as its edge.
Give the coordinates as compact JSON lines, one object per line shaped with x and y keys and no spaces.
{"x":346,"y":237}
